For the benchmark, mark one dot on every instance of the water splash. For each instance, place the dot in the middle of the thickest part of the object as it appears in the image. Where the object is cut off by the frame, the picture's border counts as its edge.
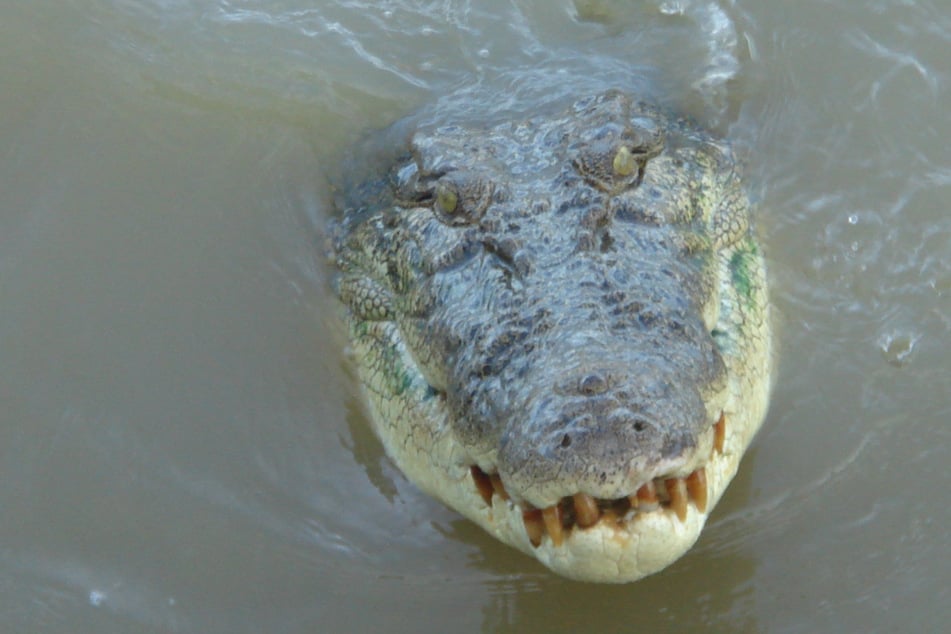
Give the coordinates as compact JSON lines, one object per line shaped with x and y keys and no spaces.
{"x":898,"y":347}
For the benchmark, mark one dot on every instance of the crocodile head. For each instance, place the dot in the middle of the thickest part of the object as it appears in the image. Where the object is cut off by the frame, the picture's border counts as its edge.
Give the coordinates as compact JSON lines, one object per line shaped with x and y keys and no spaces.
{"x":561,"y":326}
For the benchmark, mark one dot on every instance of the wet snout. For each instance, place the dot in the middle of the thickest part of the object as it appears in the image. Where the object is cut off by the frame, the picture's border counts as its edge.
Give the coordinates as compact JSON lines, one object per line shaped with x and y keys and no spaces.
{"x":603,"y":429}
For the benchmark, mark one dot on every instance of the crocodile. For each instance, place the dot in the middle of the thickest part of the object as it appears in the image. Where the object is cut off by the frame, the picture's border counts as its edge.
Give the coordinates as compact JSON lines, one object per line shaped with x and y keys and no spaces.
{"x":560,"y":323}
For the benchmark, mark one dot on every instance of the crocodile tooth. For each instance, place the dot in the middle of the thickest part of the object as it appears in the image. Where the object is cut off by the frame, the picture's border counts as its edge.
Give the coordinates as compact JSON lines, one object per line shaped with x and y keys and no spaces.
{"x":586,"y":510}
{"x":483,"y":483}
{"x":719,"y":433}
{"x":697,"y":487}
{"x":534,"y":526}
{"x":646,"y":497}
{"x":498,"y":487}
{"x":610,"y":517}
{"x":677,"y":490}
{"x":552,"y":518}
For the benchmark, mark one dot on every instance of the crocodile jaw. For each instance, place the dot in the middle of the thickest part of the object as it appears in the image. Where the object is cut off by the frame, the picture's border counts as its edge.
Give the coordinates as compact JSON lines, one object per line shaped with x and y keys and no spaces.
{"x":607,"y":552}
{"x":619,"y":551}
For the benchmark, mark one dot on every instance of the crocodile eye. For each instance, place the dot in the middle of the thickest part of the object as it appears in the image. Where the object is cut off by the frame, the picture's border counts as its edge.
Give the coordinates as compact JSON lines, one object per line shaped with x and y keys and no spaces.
{"x":446,"y":198}
{"x":612,"y":156}
{"x":462,"y":197}
{"x":624,"y":162}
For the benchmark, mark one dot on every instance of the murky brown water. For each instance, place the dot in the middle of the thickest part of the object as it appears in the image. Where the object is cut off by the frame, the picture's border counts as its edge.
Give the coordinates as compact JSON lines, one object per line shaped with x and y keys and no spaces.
{"x":180,"y":447}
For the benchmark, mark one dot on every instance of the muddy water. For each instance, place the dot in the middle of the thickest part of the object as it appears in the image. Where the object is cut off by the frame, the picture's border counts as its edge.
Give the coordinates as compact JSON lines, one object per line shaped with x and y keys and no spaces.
{"x":181,"y":448}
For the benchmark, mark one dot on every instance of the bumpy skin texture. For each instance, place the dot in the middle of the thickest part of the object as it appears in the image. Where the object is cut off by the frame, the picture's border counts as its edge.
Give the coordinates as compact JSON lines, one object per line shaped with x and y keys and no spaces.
{"x":570,"y":302}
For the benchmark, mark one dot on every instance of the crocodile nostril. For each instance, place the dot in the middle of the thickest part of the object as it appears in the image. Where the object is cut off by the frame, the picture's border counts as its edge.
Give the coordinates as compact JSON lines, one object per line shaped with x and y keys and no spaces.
{"x":624,"y":418}
{"x":593,"y":384}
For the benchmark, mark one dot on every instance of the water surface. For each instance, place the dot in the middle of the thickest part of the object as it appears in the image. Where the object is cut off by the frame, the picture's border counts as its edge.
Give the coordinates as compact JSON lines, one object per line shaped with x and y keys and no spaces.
{"x":181,"y":446}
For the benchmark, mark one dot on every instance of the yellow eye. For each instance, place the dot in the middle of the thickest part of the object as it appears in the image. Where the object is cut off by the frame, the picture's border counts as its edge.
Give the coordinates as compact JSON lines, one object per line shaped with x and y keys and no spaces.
{"x":446,"y":198}
{"x":624,"y":163}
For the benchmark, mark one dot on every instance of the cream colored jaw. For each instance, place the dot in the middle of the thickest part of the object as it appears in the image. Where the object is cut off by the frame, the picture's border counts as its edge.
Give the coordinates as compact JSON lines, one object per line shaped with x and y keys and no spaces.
{"x":617,"y":547}
{"x":592,"y":540}
{"x":582,"y":511}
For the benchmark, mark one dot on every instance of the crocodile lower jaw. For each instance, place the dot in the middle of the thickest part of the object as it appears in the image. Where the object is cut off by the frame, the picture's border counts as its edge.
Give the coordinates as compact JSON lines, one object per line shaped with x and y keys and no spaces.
{"x":612,"y":541}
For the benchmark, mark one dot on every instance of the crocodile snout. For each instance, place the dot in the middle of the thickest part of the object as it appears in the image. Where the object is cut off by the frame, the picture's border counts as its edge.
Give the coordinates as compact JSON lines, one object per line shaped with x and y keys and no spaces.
{"x":615,"y":430}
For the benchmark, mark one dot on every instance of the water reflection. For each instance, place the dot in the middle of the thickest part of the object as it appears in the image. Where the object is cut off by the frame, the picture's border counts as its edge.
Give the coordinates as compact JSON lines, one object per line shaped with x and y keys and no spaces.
{"x":677,"y":599}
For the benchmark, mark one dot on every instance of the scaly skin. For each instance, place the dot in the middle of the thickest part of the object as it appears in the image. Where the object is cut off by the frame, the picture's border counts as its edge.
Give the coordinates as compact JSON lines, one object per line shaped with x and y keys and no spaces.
{"x":555,"y":314}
